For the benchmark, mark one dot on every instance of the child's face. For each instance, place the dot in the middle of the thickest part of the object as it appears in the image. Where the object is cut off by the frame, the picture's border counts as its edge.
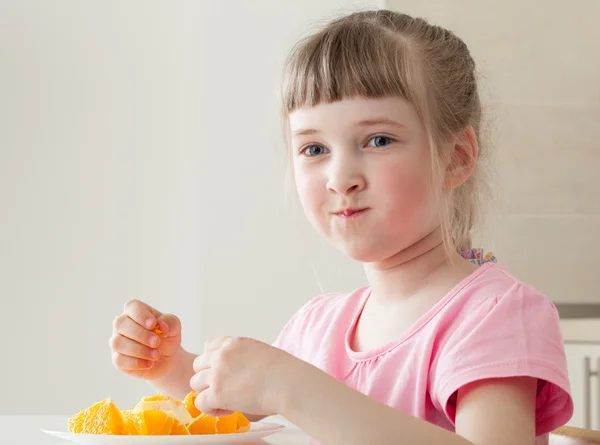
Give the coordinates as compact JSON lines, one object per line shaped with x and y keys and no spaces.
{"x":371,"y":156}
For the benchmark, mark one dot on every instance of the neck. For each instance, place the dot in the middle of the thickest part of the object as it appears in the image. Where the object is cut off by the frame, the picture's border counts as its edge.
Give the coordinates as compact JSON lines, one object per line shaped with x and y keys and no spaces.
{"x":410,"y":270}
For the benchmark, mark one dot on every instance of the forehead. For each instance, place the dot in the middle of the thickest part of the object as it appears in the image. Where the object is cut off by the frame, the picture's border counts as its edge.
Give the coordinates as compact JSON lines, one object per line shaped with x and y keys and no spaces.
{"x":352,"y":110}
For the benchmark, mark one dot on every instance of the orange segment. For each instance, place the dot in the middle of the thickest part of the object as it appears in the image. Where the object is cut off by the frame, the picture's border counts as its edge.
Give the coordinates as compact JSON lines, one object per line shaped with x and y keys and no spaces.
{"x":160,"y":402}
{"x":130,"y":421}
{"x":147,"y":423}
{"x":102,"y":417}
{"x":227,"y":424}
{"x":168,"y":426}
{"x":203,"y":424}
{"x":179,"y":429}
{"x":154,"y":422}
{"x":157,"y":398}
{"x":189,"y":400}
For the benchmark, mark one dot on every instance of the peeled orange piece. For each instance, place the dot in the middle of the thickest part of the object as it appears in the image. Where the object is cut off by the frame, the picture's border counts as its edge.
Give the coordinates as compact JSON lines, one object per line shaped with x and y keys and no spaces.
{"x":179,"y":429}
{"x":154,"y":423}
{"x":148,"y":423}
{"x":160,"y":402}
{"x":168,"y":426}
{"x":227,"y":424}
{"x":189,"y":400}
{"x":158,"y":398}
{"x":203,"y":424}
{"x":102,"y":417}
{"x":130,"y":420}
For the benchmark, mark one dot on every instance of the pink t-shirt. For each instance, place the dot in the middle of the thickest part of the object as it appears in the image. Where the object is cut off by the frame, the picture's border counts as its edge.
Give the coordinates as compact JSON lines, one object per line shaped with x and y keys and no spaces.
{"x":489,"y":326}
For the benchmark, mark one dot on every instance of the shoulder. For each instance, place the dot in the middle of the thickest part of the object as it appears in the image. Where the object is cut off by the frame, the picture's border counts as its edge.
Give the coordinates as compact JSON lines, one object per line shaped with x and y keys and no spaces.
{"x":492,"y":307}
{"x":494,"y":288}
{"x":494,"y":327}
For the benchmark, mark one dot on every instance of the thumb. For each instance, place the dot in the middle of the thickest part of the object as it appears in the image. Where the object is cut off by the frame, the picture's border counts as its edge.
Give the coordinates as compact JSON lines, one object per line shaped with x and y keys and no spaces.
{"x":170,"y":325}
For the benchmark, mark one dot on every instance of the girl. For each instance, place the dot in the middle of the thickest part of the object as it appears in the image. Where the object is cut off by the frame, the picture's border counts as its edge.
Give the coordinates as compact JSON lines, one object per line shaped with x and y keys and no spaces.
{"x":382,"y":117}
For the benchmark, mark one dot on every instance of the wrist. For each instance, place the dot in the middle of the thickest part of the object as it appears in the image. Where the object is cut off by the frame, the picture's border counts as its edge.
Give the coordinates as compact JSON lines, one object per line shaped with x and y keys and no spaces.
{"x":175,"y":378}
{"x":288,"y":377}
{"x":175,"y":367}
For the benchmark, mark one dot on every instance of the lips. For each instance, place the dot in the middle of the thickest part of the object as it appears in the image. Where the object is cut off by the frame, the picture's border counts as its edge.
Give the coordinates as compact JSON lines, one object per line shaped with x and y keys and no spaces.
{"x":351,"y":212}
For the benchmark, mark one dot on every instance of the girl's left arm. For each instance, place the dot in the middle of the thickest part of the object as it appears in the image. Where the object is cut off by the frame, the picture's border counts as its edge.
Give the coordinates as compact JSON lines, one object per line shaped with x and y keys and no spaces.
{"x":488,"y":412}
{"x":241,"y":374}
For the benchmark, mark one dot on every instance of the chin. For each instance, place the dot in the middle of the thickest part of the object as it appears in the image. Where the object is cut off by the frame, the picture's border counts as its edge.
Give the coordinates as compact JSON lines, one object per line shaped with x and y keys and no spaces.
{"x":363,"y":252}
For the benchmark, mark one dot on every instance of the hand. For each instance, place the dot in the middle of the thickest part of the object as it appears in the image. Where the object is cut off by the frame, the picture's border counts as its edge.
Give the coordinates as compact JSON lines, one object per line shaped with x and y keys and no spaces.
{"x":136,"y":349}
{"x":240,"y":374}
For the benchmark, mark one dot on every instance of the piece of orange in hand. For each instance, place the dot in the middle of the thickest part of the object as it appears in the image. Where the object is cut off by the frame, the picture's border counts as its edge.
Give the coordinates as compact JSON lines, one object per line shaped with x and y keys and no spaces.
{"x":102,"y":417}
{"x":203,"y":424}
{"x":189,"y":400}
{"x":243,"y":423}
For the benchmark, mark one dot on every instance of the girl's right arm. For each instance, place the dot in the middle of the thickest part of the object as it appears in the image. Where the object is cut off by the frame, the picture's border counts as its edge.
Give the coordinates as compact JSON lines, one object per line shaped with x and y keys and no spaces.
{"x":147,"y":344}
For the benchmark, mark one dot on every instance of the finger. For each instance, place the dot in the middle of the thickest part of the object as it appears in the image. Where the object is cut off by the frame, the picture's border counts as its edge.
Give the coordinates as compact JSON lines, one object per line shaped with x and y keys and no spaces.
{"x":201,"y":380}
{"x":125,"y":326}
{"x":125,"y":363}
{"x":141,"y":313}
{"x":128,"y":347}
{"x":216,"y":343}
{"x":202,"y":362}
{"x":169,"y":324}
{"x":206,"y":402}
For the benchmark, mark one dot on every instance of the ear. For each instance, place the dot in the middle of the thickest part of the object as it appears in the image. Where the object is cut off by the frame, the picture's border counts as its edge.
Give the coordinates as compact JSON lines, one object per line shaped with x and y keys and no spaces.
{"x":463,"y":159}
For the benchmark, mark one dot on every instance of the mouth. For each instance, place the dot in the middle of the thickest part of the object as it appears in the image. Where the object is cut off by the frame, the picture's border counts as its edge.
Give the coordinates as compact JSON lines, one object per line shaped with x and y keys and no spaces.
{"x":351,"y":213}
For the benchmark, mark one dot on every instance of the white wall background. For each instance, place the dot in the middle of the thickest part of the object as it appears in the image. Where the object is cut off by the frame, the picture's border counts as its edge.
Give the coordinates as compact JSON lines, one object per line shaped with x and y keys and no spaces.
{"x":140,"y":157}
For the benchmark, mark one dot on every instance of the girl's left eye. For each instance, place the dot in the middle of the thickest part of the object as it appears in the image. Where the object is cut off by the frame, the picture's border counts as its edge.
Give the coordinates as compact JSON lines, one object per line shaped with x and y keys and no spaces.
{"x":379,"y":141}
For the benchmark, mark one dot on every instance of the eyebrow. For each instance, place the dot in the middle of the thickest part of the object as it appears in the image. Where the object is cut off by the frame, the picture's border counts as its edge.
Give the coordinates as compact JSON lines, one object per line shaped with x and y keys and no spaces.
{"x":304,"y":131}
{"x":379,"y":121}
{"x":363,"y":123}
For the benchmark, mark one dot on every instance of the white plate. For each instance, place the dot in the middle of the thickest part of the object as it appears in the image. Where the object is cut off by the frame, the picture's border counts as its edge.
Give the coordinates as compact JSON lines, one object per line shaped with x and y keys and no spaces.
{"x":257,"y":430}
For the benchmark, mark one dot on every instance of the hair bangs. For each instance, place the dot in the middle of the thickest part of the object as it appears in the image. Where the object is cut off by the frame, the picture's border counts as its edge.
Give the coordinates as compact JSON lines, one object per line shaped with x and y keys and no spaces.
{"x":349,"y":60}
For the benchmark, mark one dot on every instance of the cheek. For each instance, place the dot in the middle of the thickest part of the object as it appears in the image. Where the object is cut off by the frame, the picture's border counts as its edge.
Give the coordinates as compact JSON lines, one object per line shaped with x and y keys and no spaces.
{"x":407,"y":189}
{"x":310,"y":191}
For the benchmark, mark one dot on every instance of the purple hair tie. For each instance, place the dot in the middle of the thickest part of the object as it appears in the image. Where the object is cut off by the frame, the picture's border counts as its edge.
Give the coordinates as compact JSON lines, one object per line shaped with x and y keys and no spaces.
{"x":476,"y":256}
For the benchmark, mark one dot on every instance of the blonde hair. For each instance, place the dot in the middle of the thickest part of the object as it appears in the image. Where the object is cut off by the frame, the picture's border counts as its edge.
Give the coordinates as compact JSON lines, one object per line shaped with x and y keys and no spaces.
{"x":381,"y":53}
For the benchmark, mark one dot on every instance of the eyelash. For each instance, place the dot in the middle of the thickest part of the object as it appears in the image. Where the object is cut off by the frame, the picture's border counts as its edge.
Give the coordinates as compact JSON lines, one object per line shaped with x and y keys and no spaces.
{"x":306,"y":147}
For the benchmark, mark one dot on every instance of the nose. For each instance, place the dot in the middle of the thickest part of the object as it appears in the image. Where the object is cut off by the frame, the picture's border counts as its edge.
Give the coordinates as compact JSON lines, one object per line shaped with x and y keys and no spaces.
{"x":346,"y":177}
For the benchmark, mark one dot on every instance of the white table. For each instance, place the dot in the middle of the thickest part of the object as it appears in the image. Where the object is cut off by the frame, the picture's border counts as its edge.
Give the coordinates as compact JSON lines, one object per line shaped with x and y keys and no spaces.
{"x":26,"y":430}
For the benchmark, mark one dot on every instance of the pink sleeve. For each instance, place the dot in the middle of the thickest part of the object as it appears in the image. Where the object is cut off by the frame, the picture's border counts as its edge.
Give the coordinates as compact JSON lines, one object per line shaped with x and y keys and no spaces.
{"x":517,"y":335}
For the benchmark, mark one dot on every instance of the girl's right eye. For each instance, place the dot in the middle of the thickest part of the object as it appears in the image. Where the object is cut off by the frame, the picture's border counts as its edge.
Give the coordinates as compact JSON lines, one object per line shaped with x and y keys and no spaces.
{"x":313,"y":150}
